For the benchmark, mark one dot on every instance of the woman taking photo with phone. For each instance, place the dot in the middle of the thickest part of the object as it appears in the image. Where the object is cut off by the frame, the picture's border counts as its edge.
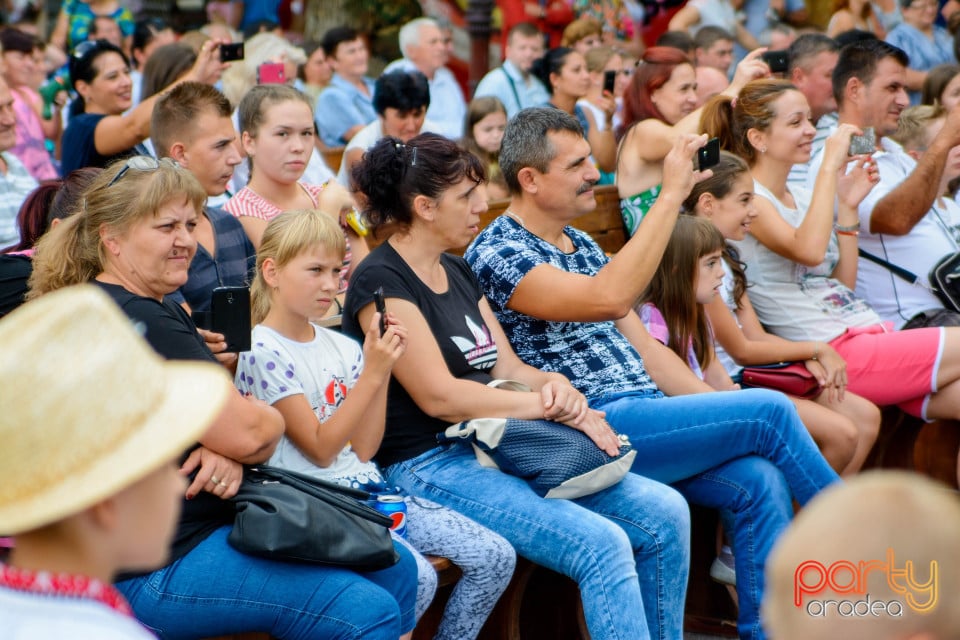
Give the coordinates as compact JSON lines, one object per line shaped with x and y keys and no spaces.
{"x":98,"y":131}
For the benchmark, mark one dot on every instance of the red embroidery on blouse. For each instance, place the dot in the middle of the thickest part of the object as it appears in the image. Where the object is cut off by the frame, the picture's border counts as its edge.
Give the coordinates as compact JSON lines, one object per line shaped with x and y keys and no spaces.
{"x":63,"y":585}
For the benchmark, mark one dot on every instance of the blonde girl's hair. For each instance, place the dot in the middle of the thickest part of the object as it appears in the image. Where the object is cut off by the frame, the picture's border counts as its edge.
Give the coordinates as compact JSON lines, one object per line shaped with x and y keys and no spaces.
{"x":913,"y":127}
{"x":73,"y":252}
{"x":673,"y":285}
{"x":287,"y":236}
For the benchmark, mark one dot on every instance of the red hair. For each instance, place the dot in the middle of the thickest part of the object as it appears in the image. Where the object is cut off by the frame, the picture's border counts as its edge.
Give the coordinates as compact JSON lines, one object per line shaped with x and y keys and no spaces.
{"x":653,"y":72}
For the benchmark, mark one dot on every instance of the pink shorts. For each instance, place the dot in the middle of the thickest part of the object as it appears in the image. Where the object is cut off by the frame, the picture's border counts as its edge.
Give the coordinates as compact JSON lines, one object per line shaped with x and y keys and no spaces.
{"x":892,"y":367}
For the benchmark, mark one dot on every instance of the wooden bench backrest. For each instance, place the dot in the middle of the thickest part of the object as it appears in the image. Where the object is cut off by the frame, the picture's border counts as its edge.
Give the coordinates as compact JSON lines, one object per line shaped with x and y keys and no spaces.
{"x":333,"y":157}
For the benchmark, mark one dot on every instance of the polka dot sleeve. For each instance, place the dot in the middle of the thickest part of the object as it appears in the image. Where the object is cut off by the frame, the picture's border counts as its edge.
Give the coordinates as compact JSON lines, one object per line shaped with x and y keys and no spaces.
{"x":267,"y":372}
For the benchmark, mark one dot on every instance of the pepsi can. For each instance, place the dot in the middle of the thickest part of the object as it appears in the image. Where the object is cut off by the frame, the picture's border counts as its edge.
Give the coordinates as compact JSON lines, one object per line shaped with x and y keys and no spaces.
{"x":396,"y":509}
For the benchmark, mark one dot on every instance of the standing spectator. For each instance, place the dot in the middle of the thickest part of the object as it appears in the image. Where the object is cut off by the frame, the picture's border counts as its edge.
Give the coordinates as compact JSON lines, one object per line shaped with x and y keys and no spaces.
{"x":550,"y":17}
{"x":346,"y":105}
{"x":925,"y":43}
{"x":421,"y":42}
{"x":32,"y":131}
{"x":512,"y":81}
{"x":713,"y":47}
{"x":76,"y":17}
{"x":16,"y":183}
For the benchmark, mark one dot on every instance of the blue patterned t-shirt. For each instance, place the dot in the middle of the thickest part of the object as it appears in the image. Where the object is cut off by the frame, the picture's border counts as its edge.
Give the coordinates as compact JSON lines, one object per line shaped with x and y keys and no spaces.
{"x":595,"y":356}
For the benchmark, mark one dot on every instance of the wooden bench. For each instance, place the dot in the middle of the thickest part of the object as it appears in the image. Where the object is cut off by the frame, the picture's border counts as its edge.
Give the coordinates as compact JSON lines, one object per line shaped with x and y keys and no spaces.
{"x":333,"y":156}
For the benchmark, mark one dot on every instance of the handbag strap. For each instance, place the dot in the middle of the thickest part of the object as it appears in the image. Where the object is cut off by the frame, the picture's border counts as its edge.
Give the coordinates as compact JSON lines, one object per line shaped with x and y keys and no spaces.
{"x":909,"y":276}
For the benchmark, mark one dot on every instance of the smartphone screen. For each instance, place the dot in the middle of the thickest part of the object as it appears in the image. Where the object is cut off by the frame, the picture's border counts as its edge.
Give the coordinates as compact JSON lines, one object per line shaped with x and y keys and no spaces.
{"x":271,"y":73}
{"x":381,"y":309}
{"x":231,"y":51}
{"x":230,"y":315}
{"x":609,"y":81}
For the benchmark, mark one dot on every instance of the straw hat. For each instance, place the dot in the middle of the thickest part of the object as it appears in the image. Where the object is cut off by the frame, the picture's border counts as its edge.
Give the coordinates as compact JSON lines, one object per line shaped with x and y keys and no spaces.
{"x":87,"y":407}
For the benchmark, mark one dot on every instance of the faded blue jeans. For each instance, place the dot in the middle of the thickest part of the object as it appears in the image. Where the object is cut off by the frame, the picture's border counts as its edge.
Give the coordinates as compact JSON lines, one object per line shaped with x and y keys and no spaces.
{"x":216,"y":590}
{"x":744,"y":452}
{"x":627,"y":547}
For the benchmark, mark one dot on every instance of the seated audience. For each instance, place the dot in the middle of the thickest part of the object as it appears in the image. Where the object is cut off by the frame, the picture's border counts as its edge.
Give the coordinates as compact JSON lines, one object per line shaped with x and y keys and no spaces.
{"x":346,"y":106}
{"x":564,"y":72}
{"x":98,"y":130}
{"x":855,"y":14}
{"x":16,"y":183}
{"x":166,"y":65}
{"x":802,"y":262}
{"x":942,"y":86}
{"x":697,"y":14}
{"x":314,"y":75}
{"x":926,"y":43}
{"x":191,"y":125}
{"x":133,"y":240}
{"x":713,"y":47}
{"x":149,"y":34}
{"x":660,"y":105}
{"x":898,"y":221}
{"x":745,"y":453}
{"x":91,"y":485}
{"x":710,"y":82}
{"x":337,"y":439}
{"x":600,"y":61}
{"x":681,"y":40}
{"x":483,"y":133}
{"x":401,"y":100}
{"x":892,"y":521}
{"x":421,"y":43}
{"x":626,"y":546}
{"x":19,"y":72}
{"x":843,"y":424}
{"x":621,"y":19}
{"x":512,"y":83}
{"x":583,"y":34}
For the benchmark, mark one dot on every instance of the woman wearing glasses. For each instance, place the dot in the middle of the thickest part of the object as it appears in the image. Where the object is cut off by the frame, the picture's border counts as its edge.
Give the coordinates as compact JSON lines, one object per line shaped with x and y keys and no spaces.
{"x":98,"y":130}
{"x":134,"y":238}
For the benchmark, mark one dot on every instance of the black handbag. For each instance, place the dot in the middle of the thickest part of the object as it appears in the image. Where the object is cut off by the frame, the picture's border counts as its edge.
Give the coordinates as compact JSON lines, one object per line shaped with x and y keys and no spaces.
{"x":283,"y":515}
{"x":944,"y":277}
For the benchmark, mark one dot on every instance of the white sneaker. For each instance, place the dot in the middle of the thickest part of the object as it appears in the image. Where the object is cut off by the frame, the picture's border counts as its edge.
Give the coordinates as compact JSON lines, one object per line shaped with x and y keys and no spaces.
{"x":723,"y":568}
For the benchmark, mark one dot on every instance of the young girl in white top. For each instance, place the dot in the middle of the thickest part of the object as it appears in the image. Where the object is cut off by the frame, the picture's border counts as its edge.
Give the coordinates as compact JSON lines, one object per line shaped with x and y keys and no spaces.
{"x":332,"y":393}
{"x":844,"y":425}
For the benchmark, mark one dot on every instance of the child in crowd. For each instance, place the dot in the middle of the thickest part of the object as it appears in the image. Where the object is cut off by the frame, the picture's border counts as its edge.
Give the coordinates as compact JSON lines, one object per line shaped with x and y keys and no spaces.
{"x":483,"y":132}
{"x":278,"y":136}
{"x":843,"y":424}
{"x":87,"y":469}
{"x":332,"y":393}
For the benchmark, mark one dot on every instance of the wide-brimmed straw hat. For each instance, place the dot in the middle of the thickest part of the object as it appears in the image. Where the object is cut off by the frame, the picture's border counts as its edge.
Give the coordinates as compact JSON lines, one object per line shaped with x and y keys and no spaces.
{"x":87,"y":407}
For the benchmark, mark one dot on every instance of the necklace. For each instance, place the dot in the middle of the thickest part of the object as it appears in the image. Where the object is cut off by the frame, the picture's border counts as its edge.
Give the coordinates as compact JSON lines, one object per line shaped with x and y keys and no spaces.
{"x":564,"y":239}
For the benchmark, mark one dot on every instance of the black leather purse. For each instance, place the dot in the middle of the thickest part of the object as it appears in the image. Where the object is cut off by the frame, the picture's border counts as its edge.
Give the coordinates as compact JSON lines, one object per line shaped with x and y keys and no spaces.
{"x":289,"y":516}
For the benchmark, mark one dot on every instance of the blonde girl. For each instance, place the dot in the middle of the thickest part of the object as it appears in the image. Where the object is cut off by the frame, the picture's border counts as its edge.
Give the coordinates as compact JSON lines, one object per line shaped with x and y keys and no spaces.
{"x":332,"y":393}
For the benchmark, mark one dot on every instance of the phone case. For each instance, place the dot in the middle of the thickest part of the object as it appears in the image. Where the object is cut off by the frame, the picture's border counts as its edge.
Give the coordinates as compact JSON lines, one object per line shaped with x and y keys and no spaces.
{"x":230,"y":315}
{"x":271,"y":73}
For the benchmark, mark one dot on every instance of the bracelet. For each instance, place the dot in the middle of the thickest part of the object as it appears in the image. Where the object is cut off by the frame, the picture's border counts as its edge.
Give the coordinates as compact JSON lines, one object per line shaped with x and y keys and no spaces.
{"x":847,"y":233}
{"x":839,"y":228}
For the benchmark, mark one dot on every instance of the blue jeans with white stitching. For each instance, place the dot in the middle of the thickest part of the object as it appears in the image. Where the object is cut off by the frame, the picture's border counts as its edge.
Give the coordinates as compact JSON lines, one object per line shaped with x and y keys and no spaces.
{"x":627,"y":547}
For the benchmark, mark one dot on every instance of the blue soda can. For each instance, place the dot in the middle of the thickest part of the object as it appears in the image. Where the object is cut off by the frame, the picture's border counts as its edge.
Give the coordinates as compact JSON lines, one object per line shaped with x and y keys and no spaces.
{"x":396,"y":509}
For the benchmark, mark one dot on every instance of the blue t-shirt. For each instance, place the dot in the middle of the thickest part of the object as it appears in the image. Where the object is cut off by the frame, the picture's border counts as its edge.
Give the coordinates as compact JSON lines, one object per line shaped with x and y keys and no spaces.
{"x":595,"y":356}
{"x":79,"y":149}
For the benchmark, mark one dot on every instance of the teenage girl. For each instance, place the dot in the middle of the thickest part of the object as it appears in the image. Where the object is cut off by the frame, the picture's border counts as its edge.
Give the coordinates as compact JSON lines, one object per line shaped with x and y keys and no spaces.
{"x":482,"y":134}
{"x":278,"y":136}
{"x":333,"y":393}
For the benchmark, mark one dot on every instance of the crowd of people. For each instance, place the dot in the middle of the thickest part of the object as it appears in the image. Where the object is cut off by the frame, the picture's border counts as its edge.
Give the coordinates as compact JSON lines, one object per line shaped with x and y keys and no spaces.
{"x":143,"y":170}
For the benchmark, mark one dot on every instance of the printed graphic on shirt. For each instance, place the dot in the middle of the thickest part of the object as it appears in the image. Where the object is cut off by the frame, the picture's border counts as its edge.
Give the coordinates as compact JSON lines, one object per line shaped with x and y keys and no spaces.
{"x":480,"y":351}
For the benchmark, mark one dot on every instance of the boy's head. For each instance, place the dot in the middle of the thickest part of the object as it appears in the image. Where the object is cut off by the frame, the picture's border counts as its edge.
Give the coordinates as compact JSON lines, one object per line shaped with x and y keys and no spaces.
{"x":93,"y":419}
{"x":192,"y":125}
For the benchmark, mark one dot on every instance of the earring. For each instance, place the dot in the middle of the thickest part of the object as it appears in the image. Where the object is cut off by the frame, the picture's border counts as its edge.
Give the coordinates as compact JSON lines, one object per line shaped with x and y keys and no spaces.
{"x":763,"y":149}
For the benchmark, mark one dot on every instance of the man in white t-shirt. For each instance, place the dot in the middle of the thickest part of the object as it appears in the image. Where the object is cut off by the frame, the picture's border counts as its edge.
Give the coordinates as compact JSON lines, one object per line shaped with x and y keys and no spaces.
{"x":424,"y":50}
{"x":897,"y":221}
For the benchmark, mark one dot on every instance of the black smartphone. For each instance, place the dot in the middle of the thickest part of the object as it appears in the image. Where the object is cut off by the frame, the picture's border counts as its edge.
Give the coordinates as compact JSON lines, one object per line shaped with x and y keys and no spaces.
{"x":709,"y":154}
{"x":381,"y":309}
{"x":230,"y":315}
{"x":778,"y":61}
{"x":609,"y":81}
{"x":231,"y":51}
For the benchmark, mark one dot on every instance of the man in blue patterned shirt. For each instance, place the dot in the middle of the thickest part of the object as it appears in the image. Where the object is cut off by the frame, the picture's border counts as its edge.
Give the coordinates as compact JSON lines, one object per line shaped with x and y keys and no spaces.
{"x":191,"y":124}
{"x":566,"y":307}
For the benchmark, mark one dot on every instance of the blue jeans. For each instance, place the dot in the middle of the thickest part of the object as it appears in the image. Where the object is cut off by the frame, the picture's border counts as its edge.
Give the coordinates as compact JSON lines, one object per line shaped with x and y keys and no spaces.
{"x":216,"y":590}
{"x":745,"y":452}
{"x":627,"y":547}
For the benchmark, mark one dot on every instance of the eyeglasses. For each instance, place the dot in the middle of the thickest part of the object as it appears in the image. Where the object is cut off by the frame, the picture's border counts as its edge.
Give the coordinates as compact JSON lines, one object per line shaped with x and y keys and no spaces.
{"x":142,"y":163}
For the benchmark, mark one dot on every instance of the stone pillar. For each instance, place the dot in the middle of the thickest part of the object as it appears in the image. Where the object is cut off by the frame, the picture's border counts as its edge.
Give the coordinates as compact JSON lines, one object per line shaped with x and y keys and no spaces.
{"x":479,"y":27}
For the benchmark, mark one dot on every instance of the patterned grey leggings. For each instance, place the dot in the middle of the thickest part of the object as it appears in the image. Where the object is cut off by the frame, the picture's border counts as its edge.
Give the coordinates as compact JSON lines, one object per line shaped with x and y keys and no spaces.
{"x":486,"y":560}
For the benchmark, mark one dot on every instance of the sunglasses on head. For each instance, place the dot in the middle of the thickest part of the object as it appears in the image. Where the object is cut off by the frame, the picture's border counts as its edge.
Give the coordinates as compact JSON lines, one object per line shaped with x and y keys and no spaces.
{"x":142,"y":163}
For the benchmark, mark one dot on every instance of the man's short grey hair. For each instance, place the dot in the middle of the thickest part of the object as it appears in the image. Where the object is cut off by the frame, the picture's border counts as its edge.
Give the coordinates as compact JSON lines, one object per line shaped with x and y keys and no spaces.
{"x":410,"y":32}
{"x":525,"y":142}
{"x":805,"y":48}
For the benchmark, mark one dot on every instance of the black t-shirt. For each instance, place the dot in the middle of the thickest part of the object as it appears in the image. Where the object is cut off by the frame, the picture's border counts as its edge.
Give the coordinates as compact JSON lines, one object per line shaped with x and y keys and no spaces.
{"x":459,"y":329}
{"x":169,"y":330}
{"x":78,"y":145}
{"x":14,"y":273}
